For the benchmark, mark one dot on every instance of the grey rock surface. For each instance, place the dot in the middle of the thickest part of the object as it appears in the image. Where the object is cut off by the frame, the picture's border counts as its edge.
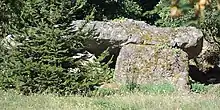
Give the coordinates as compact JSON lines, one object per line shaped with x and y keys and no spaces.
{"x":146,"y":53}
{"x":143,"y":64}
{"x":115,"y":34}
{"x":209,"y":57}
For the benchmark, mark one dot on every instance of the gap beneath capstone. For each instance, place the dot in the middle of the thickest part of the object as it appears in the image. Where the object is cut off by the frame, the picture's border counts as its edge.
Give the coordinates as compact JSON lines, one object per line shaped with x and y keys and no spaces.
{"x":211,"y":76}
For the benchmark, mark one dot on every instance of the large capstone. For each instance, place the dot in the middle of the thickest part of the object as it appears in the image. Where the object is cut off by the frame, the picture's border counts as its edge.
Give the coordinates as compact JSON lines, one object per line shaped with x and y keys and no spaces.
{"x":115,"y":34}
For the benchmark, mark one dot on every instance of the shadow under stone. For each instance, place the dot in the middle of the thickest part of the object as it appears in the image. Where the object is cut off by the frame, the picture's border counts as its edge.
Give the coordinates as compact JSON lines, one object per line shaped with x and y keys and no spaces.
{"x":212,"y":76}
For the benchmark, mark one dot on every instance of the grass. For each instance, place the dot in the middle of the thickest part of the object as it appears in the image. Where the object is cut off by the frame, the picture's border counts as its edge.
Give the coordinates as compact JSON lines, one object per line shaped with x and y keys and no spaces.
{"x":130,"y":101}
{"x":145,"y":97}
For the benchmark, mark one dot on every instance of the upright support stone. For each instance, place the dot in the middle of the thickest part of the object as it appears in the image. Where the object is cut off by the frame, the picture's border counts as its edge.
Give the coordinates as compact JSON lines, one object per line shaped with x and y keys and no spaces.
{"x":180,"y":68}
{"x":142,"y":64}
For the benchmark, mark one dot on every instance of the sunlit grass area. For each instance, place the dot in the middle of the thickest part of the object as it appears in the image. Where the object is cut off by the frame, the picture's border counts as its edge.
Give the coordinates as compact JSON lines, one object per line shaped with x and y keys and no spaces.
{"x":129,"y":101}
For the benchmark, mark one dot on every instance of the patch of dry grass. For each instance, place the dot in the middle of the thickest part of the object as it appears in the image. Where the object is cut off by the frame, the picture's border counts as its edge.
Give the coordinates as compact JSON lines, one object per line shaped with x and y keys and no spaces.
{"x":132,"y":101}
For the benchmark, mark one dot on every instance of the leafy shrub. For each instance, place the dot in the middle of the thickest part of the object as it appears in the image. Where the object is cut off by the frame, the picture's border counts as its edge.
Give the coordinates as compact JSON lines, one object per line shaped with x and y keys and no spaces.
{"x":209,"y":25}
{"x":163,"y":10}
{"x":114,"y":9}
{"x":108,"y":9}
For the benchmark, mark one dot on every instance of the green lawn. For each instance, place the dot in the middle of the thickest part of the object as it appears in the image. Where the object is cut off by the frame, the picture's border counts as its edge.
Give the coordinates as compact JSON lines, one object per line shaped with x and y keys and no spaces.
{"x":133,"y":101}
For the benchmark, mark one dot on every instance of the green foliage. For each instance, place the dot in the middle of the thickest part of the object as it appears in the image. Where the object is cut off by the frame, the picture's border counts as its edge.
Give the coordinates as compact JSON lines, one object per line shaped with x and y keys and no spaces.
{"x":114,"y":9}
{"x":108,"y":9}
{"x":210,"y":25}
{"x":42,"y":60}
{"x":161,"y":88}
{"x":163,"y":10}
{"x":101,"y":9}
{"x":4,"y":16}
{"x":200,"y":88}
{"x":130,"y":87}
{"x":130,"y":9}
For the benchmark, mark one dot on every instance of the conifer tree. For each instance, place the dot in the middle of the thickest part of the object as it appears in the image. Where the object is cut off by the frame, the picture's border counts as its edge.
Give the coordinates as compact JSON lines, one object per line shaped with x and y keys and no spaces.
{"x":41,"y":61}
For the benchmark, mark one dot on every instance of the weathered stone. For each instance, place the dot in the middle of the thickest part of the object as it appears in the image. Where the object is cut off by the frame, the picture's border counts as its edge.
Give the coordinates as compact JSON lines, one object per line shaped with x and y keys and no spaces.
{"x":190,"y":40}
{"x":152,"y":63}
{"x":149,"y":53}
{"x":206,"y":67}
{"x":209,"y":57}
{"x":115,"y":34}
